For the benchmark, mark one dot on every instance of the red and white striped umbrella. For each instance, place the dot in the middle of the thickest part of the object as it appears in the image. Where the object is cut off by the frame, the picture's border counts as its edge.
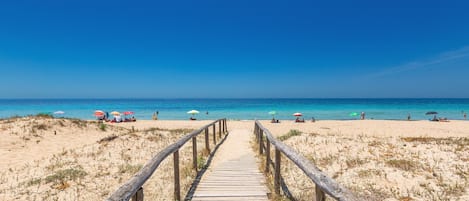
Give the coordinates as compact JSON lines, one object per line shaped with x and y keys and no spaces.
{"x":297,"y":114}
{"x":128,"y":112}
{"x":98,"y":113}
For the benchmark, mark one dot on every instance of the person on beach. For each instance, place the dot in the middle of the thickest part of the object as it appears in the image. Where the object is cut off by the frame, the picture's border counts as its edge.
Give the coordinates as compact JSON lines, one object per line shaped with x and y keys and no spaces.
{"x":408,"y":116}
{"x":362,"y":116}
{"x":273,"y":120}
{"x":299,"y":120}
{"x":155,"y":116}
{"x":465,"y":116}
{"x":313,"y":119}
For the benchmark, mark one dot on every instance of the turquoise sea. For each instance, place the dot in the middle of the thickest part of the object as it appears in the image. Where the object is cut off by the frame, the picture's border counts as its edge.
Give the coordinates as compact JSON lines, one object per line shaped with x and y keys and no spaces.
{"x":241,"y":109}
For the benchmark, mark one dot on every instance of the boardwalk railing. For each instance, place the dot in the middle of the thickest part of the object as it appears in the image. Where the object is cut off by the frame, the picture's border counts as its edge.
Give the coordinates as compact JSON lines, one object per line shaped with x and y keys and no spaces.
{"x":133,"y":187}
{"x":324,"y":184}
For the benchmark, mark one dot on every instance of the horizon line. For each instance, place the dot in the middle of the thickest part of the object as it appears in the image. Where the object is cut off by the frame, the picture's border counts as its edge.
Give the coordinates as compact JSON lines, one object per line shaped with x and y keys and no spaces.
{"x":185,"y":98}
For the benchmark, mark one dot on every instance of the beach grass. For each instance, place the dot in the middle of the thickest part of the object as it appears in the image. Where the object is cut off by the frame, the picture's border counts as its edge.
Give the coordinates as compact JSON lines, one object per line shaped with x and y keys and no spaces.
{"x":94,"y":170}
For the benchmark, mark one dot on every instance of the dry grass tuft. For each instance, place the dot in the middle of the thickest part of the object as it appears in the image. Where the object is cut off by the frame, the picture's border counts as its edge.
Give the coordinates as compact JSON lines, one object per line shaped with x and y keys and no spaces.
{"x":406,"y":165}
{"x":129,"y":168}
{"x":108,"y":138}
{"x":382,"y":168}
{"x":290,"y":134}
{"x":66,"y":175}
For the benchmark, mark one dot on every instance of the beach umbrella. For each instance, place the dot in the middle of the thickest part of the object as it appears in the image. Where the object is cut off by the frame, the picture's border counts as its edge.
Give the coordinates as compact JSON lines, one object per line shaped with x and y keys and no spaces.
{"x":273,"y":113}
{"x":128,"y":112}
{"x":115,"y":113}
{"x":193,"y":112}
{"x":353,"y":114}
{"x":59,"y":112}
{"x":297,"y":114}
{"x":98,"y":113}
{"x":431,"y":113}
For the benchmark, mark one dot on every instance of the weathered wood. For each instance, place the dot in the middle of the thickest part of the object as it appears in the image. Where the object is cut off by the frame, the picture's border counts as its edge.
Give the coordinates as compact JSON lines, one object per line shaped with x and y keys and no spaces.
{"x":236,"y":177}
{"x":215,"y":138}
{"x":138,"y":195}
{"x":320,"y":196}
{"x":226,"y":126}
{"x":255,"y":132}
{"x":324,"y":182}
{"x":214,"y":130}
{"x":261,"y":142}
{"x":219,"y":128}
{"x":207,"y":143}
{"x":194,"y":153}
{"x":223,"y":126}
{"x":177,"y":186}
{"x":267,"y":156}
{"x":130,"y":188}
{"x":277,"y":171}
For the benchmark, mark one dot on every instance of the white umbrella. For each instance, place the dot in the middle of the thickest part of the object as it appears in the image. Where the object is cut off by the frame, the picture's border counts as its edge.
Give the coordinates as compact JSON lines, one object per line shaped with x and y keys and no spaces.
{"x":59,"y":112}
{"x":193,"y":112}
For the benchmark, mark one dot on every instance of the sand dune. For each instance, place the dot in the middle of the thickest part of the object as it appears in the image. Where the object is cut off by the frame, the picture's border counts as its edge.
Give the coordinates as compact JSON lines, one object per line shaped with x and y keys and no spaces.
{"x":64,"y":159}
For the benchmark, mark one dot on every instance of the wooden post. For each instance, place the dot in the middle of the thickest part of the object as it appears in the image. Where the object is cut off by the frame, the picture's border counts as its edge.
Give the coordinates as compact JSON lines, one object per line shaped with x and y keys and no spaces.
{"x":261,"y":149}
{"x":194,"y":153}
{"x":226,"y":126}
{"x":219,"y":128}
{"x":214,"y":130}
{"x":255,"y":131}
{"x":277,"y":172}
{"x":214,"y":138}
{"x":320,"y":196}
{"x":177,"y":187}
{"x":267,"y":155}
{"x":207,"y":144}
{"x":223,"y":125}
{"x":138,"y":196}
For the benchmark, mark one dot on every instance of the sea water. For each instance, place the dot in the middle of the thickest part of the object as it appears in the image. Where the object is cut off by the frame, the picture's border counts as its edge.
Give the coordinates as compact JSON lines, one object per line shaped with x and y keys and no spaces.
{"x":241,"y":109}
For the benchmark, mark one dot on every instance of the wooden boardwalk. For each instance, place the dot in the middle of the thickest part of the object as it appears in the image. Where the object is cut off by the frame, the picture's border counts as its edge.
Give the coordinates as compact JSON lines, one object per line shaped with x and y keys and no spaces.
{"x":233,"y":173}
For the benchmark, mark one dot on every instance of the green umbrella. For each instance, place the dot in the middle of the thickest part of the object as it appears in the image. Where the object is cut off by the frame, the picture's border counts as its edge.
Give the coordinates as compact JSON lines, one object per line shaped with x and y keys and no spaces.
{"x":273,"y":113}
{"x":353,"y":114}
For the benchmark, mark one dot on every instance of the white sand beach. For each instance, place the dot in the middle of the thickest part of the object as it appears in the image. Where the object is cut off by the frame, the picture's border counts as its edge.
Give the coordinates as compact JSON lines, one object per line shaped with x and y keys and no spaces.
{"x":376,"y":159}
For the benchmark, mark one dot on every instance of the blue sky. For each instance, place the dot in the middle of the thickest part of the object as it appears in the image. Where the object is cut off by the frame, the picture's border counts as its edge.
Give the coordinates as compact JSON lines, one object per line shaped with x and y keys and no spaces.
{"x":234,"y":49}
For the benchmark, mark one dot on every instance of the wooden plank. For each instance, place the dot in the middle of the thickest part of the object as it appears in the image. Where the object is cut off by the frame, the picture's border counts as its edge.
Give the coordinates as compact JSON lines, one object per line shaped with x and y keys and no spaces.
{"x":130,"y":187}
{"x":236,"y":178}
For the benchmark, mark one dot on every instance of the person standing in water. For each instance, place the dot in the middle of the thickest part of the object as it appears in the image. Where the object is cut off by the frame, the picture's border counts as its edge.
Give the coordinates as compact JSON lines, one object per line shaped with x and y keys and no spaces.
{"x":155,"y":116}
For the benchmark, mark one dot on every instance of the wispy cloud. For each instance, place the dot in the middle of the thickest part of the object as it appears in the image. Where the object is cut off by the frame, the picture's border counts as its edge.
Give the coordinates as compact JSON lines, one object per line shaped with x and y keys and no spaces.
{"x":416,"y":65}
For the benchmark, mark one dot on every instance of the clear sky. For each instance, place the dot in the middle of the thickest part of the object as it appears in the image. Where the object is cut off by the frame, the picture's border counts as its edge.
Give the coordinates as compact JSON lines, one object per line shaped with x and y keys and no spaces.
{"x":234,"y":49}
